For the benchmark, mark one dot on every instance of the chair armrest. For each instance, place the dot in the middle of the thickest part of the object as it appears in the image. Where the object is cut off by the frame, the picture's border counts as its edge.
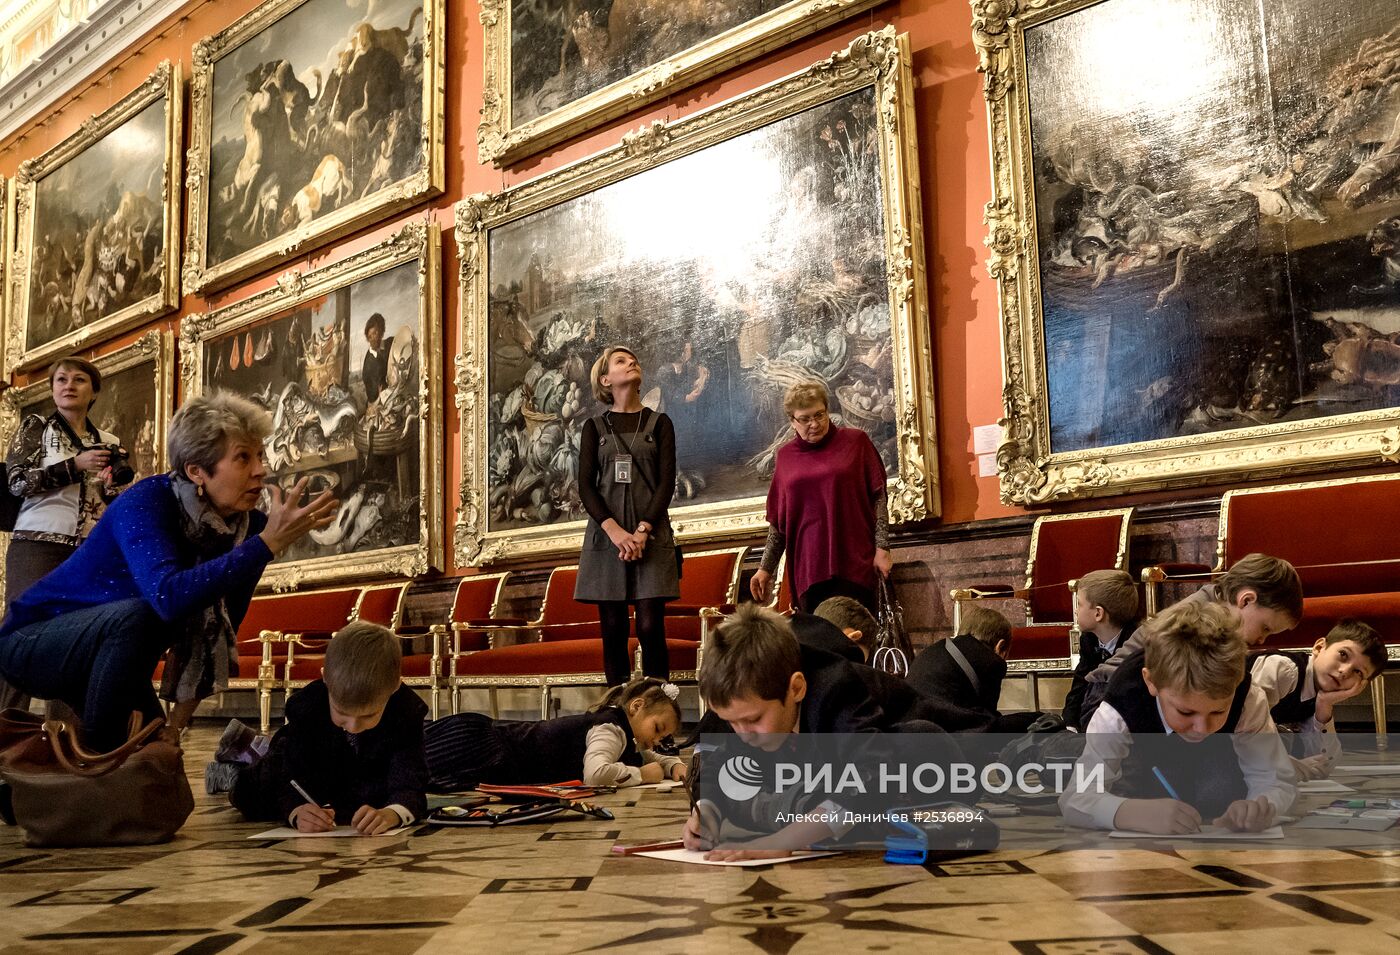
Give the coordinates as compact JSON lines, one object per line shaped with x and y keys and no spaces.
{"x":1172,"y":570}
{"x":491,"y":623}
{"x":685,"y":610}
{"x":987,"y":592}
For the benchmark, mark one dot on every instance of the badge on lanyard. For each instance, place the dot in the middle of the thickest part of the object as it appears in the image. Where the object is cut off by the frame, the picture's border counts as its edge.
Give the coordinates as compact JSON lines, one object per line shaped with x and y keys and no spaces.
{"x":622,"y":469}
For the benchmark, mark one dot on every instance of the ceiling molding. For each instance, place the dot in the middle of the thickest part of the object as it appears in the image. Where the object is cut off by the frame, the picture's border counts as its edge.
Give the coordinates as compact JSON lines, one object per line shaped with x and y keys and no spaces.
{"x":77,"y":56}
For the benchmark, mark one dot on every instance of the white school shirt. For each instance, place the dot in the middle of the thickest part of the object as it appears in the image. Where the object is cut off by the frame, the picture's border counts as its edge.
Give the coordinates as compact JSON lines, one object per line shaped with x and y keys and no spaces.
{"x":1267,"y":770}
{"x":1277,"y":676}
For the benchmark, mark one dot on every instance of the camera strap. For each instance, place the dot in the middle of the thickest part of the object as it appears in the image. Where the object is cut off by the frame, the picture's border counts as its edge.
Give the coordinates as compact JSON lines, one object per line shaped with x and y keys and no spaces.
{"x":63,"y":425}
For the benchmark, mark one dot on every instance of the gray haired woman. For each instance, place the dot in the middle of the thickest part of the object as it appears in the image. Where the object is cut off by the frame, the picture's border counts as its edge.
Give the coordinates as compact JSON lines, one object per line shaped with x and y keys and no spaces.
{"x":173,"y":562}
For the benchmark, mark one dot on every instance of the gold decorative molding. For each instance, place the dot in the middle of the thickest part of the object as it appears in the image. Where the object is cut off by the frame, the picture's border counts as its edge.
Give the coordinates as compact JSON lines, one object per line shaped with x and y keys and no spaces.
{"x":202,"y":277}
{"x":418,"y":241}
{"x":1031,"y":472}
{"x":879,"y":60}
{"x":164,"y":84}
{"x":501,"y":141}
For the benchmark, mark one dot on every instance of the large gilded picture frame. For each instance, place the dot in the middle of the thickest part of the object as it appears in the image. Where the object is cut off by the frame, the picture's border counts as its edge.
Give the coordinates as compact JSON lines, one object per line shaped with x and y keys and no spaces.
{"x":310,"y":119}
{"x":96,"y":244}
{"x":1195,"y":234}
{"x":346,"y":358}
{"x":135,"y":404}
{"x":771,"y":239}
{"x":557,"y":68}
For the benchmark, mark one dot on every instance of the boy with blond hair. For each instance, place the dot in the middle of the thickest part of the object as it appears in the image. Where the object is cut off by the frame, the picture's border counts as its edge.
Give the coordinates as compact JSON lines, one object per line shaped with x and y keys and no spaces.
{"x":1105,"y":611}
{"x":1182,"y":736}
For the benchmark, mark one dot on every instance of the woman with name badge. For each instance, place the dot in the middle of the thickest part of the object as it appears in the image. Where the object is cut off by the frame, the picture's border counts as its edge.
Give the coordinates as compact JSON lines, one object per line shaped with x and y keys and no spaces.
{"x":626,"y":476}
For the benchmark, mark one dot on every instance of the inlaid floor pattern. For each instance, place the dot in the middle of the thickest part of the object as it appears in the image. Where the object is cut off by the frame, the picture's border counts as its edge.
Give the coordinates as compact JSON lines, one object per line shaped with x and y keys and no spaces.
{"x":555,"y":887}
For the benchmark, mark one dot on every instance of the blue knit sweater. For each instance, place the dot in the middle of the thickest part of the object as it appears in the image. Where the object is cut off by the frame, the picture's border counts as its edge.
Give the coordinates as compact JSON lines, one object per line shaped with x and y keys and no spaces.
{"x":138,"y":549}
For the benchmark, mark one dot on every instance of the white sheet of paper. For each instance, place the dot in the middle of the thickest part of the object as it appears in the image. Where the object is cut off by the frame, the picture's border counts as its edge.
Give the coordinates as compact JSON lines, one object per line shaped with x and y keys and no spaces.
{"x":986,"y":438}
{"x":696,"y":857}
{"x":665,"y":787}
{"x":1324,"y":786}
{"x":1209,"y":832}
{"x":986,"y":465}
{"x":283,"y":832}
{"x":1391,"y":769}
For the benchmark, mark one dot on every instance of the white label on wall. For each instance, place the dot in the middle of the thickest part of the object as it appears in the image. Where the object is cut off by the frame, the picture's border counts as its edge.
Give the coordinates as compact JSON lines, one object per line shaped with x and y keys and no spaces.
{"x":986,"y":438}
{"x":986,"y":465}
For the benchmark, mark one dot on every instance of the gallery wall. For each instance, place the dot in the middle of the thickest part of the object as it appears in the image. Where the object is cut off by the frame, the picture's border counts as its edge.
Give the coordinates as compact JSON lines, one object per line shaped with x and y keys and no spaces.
{"x":951,"y":127}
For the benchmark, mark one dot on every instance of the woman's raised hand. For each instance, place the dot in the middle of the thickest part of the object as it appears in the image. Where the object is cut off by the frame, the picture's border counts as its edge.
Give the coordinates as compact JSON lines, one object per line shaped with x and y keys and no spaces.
{"x":288,"y":519}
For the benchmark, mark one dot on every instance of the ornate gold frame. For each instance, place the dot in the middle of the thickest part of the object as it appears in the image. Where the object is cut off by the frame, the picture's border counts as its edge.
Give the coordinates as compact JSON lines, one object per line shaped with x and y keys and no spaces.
{"x":879,"y":59}
{"x":428,"y":182}
{"x":1031,"y":472}
{"x":164,"y":82}
{"x":501,"y":143}
{"x":418,"y":240}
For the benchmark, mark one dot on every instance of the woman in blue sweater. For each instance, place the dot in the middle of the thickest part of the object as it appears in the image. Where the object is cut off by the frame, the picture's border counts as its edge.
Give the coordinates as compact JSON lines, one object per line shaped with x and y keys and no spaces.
{"x":172,"y":564}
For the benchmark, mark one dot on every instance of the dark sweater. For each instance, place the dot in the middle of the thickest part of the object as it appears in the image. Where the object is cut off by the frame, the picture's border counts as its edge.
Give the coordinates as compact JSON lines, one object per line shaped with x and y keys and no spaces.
{"x":935,"y":674}
{"x":379,"y":767}
{"x":626,"y":425}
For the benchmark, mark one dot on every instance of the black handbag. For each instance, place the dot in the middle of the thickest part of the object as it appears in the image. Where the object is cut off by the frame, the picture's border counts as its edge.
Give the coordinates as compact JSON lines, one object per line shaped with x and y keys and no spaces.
{"x":9,"y":502}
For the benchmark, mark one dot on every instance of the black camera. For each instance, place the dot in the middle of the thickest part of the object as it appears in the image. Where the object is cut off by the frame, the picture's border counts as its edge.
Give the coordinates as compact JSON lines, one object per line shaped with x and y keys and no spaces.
{"x":119,"y":462}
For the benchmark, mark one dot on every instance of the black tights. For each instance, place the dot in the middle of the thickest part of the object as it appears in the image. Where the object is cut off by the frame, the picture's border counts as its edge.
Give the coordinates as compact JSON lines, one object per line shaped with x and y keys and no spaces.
{"x":651,"y":632}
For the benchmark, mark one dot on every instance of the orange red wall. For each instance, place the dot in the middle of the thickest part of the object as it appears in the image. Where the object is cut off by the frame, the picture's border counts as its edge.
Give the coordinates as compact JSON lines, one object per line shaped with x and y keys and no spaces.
{"x":954,"y":165}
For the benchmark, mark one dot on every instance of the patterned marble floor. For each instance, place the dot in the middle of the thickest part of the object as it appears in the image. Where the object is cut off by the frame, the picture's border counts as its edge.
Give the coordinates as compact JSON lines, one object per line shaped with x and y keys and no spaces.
{"x":547,"y":889}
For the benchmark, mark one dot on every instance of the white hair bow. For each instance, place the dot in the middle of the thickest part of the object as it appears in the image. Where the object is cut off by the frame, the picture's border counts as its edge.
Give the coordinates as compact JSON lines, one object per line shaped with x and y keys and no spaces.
{"x":672,"y":691}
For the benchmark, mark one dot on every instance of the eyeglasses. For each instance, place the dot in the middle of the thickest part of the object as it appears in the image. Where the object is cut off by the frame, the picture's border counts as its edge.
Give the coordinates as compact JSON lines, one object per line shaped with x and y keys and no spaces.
{"x":806,"y":419}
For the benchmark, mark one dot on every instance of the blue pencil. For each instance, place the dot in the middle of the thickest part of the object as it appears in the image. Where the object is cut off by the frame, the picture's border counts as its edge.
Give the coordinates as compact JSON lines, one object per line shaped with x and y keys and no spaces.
{"x":1165,"y":785}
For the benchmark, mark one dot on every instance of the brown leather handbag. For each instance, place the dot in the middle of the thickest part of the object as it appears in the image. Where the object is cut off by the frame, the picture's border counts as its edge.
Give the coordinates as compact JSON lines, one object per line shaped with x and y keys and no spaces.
{"x":64,"y":795}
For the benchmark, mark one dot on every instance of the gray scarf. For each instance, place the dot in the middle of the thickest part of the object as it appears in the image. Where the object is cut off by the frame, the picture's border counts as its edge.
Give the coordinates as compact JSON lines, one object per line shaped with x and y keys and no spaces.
{"x":204,"y":653}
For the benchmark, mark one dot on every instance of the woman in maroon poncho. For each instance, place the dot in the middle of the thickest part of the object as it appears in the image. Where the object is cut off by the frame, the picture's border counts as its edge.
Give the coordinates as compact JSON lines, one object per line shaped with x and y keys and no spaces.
{"x":826,"y":508}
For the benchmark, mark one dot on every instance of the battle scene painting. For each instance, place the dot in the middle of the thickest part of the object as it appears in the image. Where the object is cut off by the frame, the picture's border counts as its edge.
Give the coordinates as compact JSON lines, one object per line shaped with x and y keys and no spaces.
{"x":319,"y":110}
{"x":734,"y":272}
{"x":96,"y":244}
{"x":340,"y":376}
{"x":562,"y":50}
{"x":1217,"y":191}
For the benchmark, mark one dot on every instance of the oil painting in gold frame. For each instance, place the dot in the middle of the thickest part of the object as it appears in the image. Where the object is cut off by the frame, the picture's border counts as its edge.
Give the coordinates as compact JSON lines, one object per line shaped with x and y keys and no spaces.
{"x":771,"y":239}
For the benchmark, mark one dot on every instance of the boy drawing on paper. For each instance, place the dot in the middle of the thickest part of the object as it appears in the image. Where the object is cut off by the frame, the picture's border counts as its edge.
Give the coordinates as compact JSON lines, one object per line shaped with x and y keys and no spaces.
{"x":353,"y":743}
{"x":1183,"y":736}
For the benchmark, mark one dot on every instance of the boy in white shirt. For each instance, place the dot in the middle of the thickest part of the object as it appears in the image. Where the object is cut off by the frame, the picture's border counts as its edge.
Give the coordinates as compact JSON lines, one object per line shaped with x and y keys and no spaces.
{"x":1304,"y":687}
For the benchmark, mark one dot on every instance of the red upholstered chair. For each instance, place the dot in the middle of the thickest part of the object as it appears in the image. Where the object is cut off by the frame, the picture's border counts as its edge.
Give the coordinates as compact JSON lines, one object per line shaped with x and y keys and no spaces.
{"x":382,"y":604}
{"x":476,"y":610}
{"x":278,"y":622}
{"x":1063,"y":548}
{"x":1341,"y":537}
{"x":709,"y":580}
{"x":567,"y":649}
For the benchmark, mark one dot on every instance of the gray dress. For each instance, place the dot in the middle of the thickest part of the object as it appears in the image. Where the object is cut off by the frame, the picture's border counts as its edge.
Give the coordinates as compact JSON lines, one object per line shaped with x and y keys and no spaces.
{"x":602,"y":575}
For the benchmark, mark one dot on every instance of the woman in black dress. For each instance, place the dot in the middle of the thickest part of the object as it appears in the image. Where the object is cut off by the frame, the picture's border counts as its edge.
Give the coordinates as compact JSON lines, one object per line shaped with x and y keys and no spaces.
{"x":627,"y":474}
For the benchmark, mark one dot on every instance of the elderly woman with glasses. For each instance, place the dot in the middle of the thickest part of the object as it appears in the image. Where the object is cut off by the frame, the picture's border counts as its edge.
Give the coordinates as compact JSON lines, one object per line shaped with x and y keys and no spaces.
{"x":171,"y":565}
{"x":826,"y":508}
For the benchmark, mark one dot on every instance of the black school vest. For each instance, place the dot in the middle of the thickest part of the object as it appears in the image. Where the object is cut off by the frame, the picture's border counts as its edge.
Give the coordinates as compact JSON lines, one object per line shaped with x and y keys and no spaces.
{"x":1291,"y":707}
{"x":1206,"y":774}
{"x":553,"y":749}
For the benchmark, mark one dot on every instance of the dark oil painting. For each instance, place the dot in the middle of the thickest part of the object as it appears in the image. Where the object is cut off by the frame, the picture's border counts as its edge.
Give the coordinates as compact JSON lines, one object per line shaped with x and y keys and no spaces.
{"x":340,"y":376}
{"x":99,"y":230}
{"x":1218,"y":208}
{"x":321,"y":109}
{"x":734,"y":272}
{"x":562,"y":50}
{"x":128,"y":407}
